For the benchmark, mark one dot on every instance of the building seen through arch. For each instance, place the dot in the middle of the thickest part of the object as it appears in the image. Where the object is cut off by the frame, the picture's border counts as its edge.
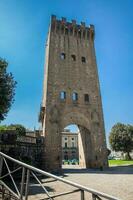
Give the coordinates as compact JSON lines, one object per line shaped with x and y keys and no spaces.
{"x":70,"y":150}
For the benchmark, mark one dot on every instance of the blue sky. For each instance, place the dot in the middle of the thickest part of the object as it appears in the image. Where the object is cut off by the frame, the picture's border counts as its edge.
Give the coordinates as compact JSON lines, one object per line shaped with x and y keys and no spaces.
{"x":23,"y":30}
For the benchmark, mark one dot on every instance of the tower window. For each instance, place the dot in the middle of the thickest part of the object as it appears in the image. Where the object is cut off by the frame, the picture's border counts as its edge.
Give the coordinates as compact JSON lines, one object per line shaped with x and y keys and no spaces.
{"x":83,"y":59}
{"x":73,"y":57}
{"x":62,"y":56}
{"x":86,"y":98}
{"x":74,"y":96}
{"x":62,"y":95}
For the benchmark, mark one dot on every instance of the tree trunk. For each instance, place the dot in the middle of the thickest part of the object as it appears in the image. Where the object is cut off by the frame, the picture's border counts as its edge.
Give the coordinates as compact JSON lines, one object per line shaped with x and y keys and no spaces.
{"x":128,"y":155}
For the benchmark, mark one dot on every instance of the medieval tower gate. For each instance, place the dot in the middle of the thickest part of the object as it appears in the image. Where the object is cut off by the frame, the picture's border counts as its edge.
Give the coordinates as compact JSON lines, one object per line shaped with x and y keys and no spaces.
{"x":72,"y":94}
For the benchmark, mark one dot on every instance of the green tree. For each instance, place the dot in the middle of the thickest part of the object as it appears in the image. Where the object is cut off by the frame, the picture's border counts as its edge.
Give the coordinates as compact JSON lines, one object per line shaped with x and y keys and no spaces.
{"x":7,"y":89}
{"x":3,"y":127}
{"x":121,"y":138}
{"x":20,"y":129}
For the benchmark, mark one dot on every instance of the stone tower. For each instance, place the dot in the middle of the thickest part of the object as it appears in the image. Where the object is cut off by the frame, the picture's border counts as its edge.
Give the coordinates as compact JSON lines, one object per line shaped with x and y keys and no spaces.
{"x":72,"y":94}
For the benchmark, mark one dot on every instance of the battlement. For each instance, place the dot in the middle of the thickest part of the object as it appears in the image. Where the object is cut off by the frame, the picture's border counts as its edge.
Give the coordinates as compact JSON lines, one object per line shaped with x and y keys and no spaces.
{"x":72,"y":28}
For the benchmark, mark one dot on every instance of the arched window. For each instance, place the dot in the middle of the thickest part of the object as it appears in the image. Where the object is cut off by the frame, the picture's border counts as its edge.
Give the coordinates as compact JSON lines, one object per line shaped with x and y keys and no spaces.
{"x":83,"y":59}
{"x":73,"y":57}
{"x":62,"y":56}
{"x":75,"y":96}
{"x":86,"y":98}
{"x":62,"y":95}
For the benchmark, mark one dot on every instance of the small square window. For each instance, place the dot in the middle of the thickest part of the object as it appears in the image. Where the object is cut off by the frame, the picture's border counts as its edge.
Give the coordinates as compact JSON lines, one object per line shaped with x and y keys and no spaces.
{"x":86,"y":98}
{"x":62,"y":95}
{"x":72,"y":138}
{"x":83,"y":59}
{"x":73,"y":57}
{"x":62,"y":56}
{"x":74,"y":96}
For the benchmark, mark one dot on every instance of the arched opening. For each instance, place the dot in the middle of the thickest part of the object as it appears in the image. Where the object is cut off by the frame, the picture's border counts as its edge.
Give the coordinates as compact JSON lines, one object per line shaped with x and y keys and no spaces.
{"x":76,"y":147}
{"x":70,"y":147}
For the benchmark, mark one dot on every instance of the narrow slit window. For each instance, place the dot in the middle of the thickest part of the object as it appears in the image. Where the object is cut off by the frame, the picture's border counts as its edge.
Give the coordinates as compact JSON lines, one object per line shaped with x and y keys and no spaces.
{"x":74,"y":96}
{"x":62,"y":95}
{"x":83,"y":59}
{"x":73,"y":57}
{"x":62,"y":56}
{"x":86,"y":98}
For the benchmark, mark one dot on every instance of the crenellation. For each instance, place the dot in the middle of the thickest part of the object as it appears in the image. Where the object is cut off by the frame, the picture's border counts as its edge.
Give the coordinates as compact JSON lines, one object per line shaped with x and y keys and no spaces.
{"x":64,"y":27}
{"x":73,"y":22}
{"x":83,"y":24}
{"x":53,"y":18}
{"x":63,"y":20}
{"x":92,"y":31}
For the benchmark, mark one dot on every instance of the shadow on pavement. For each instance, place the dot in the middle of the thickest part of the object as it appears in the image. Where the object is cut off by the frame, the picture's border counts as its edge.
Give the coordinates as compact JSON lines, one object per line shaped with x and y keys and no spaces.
{"x":36,"y":189}
{"x":110,"y":170}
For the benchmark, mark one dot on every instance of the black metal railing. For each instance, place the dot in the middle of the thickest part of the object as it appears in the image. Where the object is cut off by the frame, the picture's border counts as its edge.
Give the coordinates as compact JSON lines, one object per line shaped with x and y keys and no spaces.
{"x":28,"y":172}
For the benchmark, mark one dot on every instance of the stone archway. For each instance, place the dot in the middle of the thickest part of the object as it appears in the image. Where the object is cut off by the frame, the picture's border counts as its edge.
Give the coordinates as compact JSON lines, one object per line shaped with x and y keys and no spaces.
{"x":85,"y":140}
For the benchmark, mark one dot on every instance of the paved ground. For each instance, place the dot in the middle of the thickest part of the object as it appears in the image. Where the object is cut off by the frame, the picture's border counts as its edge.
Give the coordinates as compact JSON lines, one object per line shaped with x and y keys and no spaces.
{"x":116,"y":181}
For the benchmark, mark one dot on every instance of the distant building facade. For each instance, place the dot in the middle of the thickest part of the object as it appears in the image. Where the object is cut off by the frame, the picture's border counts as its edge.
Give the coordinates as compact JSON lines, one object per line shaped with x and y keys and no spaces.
{"x":28,"y":148}
{"x":69,"y":145}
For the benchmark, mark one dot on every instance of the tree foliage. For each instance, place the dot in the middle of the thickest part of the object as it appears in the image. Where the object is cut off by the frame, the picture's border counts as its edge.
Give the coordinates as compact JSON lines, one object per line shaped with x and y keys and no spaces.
{"x":20,"y":129}
{"x":7,"y":89}
{"x":121,"y":138}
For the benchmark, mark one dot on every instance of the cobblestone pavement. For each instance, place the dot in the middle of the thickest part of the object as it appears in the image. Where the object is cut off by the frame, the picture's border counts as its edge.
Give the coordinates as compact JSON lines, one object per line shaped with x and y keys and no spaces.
{"x":116,"y":181}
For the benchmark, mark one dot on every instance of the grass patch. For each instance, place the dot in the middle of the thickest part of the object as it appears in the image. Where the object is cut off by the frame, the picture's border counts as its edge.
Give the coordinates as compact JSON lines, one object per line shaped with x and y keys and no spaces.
{"x":120,"y":162}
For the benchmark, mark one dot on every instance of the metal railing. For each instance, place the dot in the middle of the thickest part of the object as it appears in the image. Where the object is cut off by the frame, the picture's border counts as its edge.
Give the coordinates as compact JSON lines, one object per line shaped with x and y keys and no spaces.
{"x":28,"y":172}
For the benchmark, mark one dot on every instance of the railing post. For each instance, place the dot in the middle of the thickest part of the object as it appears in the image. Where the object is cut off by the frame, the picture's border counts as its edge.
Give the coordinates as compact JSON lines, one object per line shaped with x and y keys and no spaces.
{"x":27,"y":184}
{"x":22,"y":183}
{"x":82,"y":195}
{"x":1,"y":165}
{"x":95,"y":197}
